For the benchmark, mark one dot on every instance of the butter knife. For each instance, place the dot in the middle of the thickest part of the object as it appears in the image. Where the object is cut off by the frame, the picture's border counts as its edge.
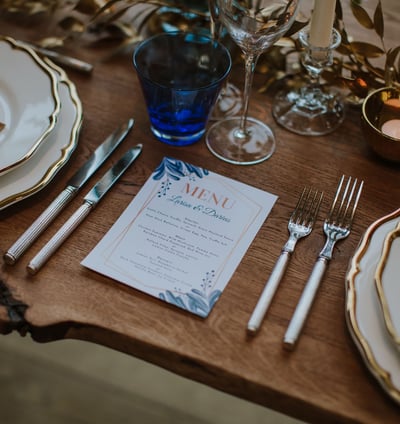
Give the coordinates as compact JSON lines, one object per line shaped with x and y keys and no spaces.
{"x":73,"y":185}
{"x":89,"y":203}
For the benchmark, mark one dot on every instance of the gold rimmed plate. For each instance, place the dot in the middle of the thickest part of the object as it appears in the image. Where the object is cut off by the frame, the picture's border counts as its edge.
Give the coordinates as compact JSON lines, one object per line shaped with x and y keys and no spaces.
{"x":387,"y":280}
{"x":363,"y":310}
{"x":29,"y":103}
{"x":53,"y":153}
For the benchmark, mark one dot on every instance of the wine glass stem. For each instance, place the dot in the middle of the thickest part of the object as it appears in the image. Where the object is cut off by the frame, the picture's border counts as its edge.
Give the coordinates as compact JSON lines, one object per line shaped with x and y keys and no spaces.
{"x":215,"y":24}
{"x":250,"y":65}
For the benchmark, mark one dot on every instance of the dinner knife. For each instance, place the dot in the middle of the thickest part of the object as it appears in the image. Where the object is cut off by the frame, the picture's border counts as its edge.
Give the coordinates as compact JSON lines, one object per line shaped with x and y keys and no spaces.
{"x":90,"y":201}
{"x":61,"y":59}
{"x":97,"y":158}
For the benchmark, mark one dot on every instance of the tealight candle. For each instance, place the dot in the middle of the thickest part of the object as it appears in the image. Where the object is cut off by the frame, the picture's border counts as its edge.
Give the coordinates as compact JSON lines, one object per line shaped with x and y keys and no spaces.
{"x":393,"y":103}
{"x":392,"y":128}
{"x":322,"y":23}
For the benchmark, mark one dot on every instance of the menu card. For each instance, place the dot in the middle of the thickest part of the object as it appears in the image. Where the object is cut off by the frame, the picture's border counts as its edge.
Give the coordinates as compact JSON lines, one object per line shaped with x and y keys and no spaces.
{"x":183,"y":235}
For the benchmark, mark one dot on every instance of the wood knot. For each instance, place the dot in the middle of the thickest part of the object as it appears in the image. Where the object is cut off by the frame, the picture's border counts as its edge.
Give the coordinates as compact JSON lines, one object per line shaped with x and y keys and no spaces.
{"x":15,"y":309}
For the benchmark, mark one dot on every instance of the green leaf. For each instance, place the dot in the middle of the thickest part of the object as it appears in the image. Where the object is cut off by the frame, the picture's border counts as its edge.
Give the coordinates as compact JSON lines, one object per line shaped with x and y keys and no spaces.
{"x":362,"y":16}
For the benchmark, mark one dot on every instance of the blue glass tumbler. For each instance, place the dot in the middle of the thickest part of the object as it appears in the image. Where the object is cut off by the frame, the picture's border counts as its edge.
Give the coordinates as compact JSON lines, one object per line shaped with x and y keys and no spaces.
{"x":181,"y":75}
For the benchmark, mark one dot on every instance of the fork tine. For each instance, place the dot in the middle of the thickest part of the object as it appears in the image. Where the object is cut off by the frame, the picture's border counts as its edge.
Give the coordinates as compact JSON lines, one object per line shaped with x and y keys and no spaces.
{"x":307,"y":207}
{"x":356,"y":201}
{"x":343,"y":214}
{"x":297,"y":211}
{"x":338,"y":190}
{"x":313,"y":209}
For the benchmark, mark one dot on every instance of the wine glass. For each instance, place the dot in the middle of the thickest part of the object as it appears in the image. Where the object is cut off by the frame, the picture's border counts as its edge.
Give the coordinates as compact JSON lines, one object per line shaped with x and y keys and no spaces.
{"x":254,"y":26}
{"x":229,"y":102}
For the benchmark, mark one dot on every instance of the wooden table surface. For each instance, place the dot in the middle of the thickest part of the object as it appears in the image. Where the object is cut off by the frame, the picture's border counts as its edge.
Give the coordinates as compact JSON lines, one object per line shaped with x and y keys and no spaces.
{"x":324,"y":379}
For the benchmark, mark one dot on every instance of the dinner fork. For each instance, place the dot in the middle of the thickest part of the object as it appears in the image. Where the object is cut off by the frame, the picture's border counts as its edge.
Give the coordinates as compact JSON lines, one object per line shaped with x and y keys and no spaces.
{"x":300,"y":225}
{"x":337,"y":226}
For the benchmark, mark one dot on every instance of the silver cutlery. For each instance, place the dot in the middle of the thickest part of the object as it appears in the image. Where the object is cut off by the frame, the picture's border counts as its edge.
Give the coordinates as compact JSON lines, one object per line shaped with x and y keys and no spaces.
{"x":97,"y":158}
{"x":300,"y":225}
{"x":61,"y":59}
{"x":90,"y":202}
{"x":337,"y":226}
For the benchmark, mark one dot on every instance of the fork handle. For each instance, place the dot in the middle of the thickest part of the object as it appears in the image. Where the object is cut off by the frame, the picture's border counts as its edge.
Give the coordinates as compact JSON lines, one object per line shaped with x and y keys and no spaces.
{"x":268,"y":293}
{"x":306,"y":300}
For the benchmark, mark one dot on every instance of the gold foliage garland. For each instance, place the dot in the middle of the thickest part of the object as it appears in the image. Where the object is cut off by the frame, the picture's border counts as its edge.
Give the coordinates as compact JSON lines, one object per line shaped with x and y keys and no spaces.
{"x":128,"y":21}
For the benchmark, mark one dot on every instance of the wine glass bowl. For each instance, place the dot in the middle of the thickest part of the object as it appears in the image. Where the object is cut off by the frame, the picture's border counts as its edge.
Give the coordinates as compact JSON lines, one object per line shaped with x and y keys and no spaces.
{"x":229,"y":102}
{"x":254,"y":26}
{"x":255,"y":30}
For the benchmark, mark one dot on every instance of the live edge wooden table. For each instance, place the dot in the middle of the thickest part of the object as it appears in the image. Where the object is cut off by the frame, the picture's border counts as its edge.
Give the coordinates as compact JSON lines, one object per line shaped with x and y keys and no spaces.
{"x":324,"y":380}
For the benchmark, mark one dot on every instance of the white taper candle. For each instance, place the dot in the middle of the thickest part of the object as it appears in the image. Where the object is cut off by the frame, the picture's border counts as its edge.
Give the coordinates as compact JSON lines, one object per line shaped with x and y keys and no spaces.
{"x":321,"y":24}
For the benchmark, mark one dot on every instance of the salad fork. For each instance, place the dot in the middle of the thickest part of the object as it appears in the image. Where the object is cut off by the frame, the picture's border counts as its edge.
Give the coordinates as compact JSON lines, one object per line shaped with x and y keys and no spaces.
{"x":300,"y":225}
{"x":337,"y":226}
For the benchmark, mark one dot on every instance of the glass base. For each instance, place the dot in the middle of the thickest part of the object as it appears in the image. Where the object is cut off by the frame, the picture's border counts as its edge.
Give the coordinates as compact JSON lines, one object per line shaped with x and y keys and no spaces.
{"x":226,"y":142}
{"x":229,"y":103}
{"x":177,"y":140}
{"x":309,"y":111}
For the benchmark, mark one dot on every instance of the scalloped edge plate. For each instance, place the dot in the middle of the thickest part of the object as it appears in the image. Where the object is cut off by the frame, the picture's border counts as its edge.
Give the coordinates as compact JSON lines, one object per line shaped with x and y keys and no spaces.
{"x":29,"y":103}
{"x":363,"y":311}
{"x":387,"y":281}
{"x":53,"y":153}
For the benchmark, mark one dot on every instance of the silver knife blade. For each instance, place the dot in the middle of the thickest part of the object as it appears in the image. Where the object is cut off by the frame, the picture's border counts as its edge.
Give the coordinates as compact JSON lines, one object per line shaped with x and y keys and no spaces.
{"x":97,"y":158}
{"x":111,"y":176}
{"x":90,"y":201}
{"x":100,"y":155}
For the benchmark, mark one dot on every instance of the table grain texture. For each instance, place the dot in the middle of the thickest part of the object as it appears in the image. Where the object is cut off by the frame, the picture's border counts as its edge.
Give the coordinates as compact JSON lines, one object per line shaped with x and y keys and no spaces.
{"x":324,"y":380}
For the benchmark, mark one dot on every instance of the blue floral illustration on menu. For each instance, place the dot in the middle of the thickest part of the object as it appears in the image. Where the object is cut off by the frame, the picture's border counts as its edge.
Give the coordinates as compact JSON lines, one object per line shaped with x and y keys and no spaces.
{"x":199,"y":302}
{"x":174,"y":169}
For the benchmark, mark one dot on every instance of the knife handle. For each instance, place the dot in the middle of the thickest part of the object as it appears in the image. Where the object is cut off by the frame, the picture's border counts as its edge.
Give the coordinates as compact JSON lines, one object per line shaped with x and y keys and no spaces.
{"x":59,"y":237}
{"x":69,"y":61}
{"x":39,"y":225}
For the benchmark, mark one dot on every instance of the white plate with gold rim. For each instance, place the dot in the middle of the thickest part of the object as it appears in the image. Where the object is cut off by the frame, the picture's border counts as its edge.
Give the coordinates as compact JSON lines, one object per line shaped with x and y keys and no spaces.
{"x":52,"y":154}
{"x":387,"y":281}
{"x":363,"y":310}
{"x":29,"y":103}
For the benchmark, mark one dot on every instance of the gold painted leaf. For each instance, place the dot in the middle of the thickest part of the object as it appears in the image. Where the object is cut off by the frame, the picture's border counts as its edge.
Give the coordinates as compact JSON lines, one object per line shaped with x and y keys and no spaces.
{"x":392,"y":54}
{"x":72,"y":24}
{"x":339,"y":11}
{"x":366,"y":49}
{"x":361,"y":15}
{"x":107,"y":7}
{"x":378,"y":20}
{"x":89,"y":7}
{"x":51,"y":42}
